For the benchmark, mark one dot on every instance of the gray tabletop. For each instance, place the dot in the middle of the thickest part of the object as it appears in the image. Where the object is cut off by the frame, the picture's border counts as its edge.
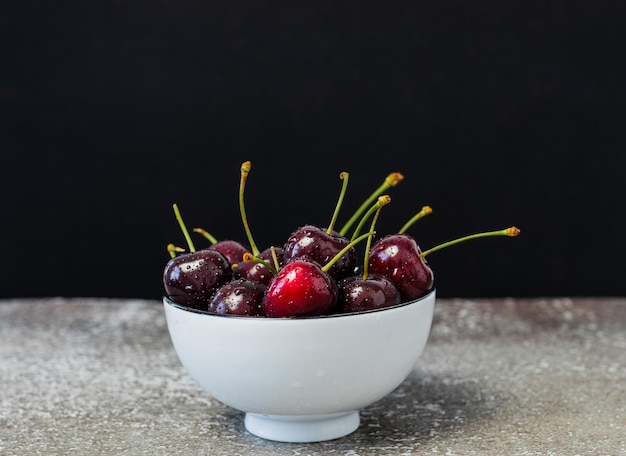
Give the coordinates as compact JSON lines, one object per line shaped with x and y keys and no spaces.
{"x":499,"y":376}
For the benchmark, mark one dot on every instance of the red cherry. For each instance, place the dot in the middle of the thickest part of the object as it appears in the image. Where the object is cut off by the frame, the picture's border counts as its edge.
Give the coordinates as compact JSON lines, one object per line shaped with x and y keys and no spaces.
{"x":300,"y":288}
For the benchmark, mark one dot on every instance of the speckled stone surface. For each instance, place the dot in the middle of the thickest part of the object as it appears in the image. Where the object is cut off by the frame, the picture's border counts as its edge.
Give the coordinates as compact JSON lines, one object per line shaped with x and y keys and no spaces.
{"x":498,"y":377}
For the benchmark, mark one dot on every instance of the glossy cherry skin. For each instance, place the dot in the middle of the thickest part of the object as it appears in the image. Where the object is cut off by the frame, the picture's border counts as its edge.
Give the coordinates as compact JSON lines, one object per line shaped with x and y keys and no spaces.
{"x":258,"y":271}
{"x":191,"y":278}
{"x":232,"y":250}
{"x":238,"y":297}
{"x":300,"y":288}
{"x":358,"y":294}
{"x":397,"y":257}
{"x":312,"y":243}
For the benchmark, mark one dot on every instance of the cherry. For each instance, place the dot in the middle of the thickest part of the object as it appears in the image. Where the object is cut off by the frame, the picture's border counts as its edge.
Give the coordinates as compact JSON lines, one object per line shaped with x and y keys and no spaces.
{"x":397,"y":257}
{"x":367,"y":291}
{"x":259,"y":271}
{"x":232,"y":250}
{"x":191,"y":278}
{"x":315,"y":244}
{"x":239,"y":297}
{"x":358,"y":294}
{"x":300,"y":288}
{"x":304,"y":288}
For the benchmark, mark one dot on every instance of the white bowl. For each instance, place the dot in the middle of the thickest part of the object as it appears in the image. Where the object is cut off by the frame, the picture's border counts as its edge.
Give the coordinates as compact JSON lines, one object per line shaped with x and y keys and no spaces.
{"x":301,"y":379}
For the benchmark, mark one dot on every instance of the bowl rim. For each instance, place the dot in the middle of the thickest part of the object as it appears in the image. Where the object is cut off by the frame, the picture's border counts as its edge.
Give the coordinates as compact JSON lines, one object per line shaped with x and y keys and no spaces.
{"x":168,"y":301}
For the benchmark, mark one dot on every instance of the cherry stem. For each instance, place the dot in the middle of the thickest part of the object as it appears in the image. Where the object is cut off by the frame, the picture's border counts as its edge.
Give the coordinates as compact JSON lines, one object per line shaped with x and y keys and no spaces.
{"x":391,"y":180}
{"x":344,"y":177}
{"x":173,"y":250}
{"x":385,"y":200}
{"x":382,"y":201}
{"x":245,"y":170}
{"x":249,"y":258}
{"x":275,"y":257}
{"x":212,"y":239}
{"x":511,"y":231}
{"x":343,"y":251}
{"x":183,"y":228}
{"x":425,"y":211}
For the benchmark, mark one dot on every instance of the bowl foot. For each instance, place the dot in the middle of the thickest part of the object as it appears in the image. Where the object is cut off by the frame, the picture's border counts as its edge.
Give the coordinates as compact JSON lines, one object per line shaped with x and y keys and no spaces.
{"x":305,"y":428}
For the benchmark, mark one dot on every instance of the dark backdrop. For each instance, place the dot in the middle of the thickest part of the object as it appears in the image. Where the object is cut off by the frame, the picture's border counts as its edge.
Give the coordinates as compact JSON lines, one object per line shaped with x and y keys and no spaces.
{"x":496,"y":113}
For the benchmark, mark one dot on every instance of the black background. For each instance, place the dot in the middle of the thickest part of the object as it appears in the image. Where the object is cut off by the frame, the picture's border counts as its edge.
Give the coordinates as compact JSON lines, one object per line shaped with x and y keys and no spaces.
{"x":496,"y":113}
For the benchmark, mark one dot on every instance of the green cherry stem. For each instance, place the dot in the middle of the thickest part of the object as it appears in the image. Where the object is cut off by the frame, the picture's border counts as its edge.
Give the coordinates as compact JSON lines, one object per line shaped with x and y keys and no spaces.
{"x":174,"y":250}
{"x":391,"y":180}
{"x":179,"y":217}
{"x":212,"y":239}
{"x":511,"y":232}
{"x":245,"y":170}
{"x":249,"y":258}
{"x":425,"y":211}
{"x":382,"y":201}
{"x":343,"y":251}
{"x":344,"y":177}
{"x":275,"y":258}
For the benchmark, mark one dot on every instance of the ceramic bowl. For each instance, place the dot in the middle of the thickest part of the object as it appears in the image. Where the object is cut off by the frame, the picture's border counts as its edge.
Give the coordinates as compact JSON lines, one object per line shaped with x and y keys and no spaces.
{"x":301,"y":379}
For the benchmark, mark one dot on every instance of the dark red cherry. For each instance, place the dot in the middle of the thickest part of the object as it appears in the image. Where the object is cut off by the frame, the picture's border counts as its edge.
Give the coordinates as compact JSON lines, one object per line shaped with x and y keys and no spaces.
{"x":315,"y":244}
{"x":258,"y":271}
{"x":358,"y":294}
{"x":191,"y":278}
{"x":300,"y":288}
{"x":238,"y":297}
{"x":232,"y":250}
{"x":397,"y":257}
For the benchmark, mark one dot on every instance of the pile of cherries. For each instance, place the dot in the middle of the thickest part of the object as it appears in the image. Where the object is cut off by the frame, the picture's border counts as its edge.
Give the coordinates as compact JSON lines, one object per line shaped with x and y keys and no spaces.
{"x":316,"y":272}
